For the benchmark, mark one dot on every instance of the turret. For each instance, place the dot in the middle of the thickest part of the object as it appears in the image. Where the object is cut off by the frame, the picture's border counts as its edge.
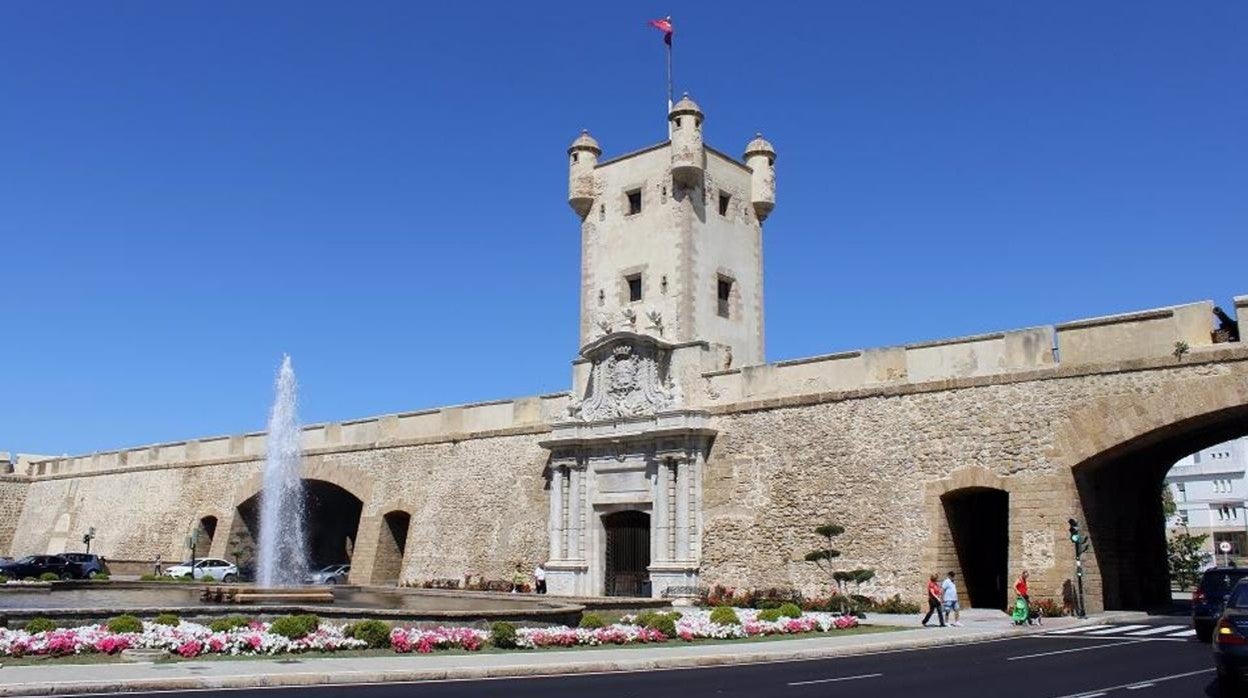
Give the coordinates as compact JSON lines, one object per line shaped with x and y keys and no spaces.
{"x":688,"y":157}
{"x":582,"y":159}
{"x":760,"y":157}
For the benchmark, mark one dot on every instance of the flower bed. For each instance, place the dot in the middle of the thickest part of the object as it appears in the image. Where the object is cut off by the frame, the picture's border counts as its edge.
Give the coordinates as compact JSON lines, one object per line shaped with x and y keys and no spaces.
{"x":187,"y":639}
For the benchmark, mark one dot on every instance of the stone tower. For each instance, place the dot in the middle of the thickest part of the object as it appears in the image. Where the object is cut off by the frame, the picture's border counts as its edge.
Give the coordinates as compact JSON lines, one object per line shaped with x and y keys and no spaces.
{"x":671,"y":239}
{"x":671,"y":288}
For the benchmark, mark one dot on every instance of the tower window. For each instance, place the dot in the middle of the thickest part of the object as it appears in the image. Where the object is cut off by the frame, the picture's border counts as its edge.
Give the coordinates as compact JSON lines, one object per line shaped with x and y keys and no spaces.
{"x":724,"y":295}
{"x":724,"y":199}
{"x":634,"y":202}
{"x":634,"y":287}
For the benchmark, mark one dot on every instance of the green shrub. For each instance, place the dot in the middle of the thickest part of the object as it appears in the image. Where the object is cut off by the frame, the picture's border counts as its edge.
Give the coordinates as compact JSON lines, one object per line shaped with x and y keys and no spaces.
{"x":503,"y":635}
{"x":376,"y":633}
{"x":167,"y":619}
{"x":40,"y":625}
{"x":592,"y":621}
{"x":228,"y":623}
{"x":790,"y":610}
{"x":724,"y":615}
{"x":4,"y":579}
{"x":49,"y":577}
{"x":149,"y":578}
{"x":295,"y":627}
{"x":770,"y":615}
{"x":664,"y":623}
{"x":99,"y":577}
{"x":208,"y":579}
{"x":125,"y":623}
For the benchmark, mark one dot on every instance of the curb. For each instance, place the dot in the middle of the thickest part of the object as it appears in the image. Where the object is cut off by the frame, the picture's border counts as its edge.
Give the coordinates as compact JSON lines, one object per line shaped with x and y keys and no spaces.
{"x":566,"y":668}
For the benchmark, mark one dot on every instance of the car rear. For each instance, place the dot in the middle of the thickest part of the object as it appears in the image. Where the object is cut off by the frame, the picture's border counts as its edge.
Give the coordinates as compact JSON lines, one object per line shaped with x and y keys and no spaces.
{"x":1210,"y":597}
{"x":1230,"y":639}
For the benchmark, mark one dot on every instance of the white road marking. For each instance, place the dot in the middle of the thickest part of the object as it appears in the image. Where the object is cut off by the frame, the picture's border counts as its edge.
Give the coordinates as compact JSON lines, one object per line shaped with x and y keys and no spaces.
{"x":1138,"y":686}
{"x":1185,"y":633}
{"x":1159,"y":679}
{"x":1156,"y":631}
{"x":1077,"y":649}
{"x":839,"y":678}
{"x":1067,"y":631}
{"x":1116,"y":629}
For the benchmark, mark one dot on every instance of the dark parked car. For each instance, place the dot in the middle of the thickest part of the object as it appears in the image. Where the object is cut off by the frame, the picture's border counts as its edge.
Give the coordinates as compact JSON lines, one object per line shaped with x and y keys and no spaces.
{"x":1230,"y":641}
{"x":86,"y":565}
{"x":36,"y":565}
{"x":1211,"y":595}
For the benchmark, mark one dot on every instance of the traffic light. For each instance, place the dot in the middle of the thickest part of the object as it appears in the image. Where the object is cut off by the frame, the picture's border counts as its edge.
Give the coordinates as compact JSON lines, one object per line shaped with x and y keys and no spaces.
{"x":1081,"y":541}
{"x":1074,"y":531}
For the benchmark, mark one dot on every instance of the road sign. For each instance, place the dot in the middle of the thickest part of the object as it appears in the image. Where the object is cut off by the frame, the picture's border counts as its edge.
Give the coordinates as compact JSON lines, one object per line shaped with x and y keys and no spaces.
{"x":1225,"y":546}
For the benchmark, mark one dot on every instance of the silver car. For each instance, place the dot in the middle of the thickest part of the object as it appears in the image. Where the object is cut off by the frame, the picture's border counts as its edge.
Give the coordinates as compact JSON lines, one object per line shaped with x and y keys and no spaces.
{"x":330,"y":574}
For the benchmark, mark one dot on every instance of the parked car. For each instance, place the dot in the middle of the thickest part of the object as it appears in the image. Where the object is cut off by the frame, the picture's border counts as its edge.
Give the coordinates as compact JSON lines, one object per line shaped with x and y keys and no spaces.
{"x":219,"y":570}
{"x":86,"y":565}
{"x":1230,"y":641}
{"x":1210,"y":596}
{"x":36,"y":565}
{"x":330,"y":574}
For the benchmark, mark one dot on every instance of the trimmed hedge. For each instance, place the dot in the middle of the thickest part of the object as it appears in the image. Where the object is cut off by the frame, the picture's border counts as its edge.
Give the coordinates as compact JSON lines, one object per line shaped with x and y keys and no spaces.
{"x":49,"y":577}
{"x":228,"y":623}
{"x":167,"y":619}
{"x":790,"y":610}
{"x":295,"y":627}
{"x":375,"y":632}
{"x":503,"y":635}
{"x":592,"y":621}
{"x":40,"y":625}
{"x":125,"y":623}
{"x":770,"y":615}
{"x":724,"y":615}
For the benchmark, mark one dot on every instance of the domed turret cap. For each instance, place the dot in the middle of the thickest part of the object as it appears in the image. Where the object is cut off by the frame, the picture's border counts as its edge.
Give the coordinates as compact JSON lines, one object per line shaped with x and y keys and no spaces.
{"x":759,"y":146}
{"x":585,"y":142}
{"x":685,"y":106}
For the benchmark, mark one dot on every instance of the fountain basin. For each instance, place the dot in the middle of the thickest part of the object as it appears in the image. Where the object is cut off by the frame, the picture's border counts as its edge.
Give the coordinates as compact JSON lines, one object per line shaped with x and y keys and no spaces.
{"x":276,"y":595}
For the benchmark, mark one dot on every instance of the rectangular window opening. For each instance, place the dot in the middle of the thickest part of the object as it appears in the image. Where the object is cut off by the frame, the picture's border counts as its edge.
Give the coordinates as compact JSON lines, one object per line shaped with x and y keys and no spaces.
{"x":634,"y":202}
{"x":724,"y":296}
{"x":724,"y":199}
{"x":634,"y":287}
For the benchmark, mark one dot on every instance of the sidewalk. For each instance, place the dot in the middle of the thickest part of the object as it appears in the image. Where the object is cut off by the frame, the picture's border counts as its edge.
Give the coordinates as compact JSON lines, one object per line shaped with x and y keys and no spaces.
{"x":302,"y":670}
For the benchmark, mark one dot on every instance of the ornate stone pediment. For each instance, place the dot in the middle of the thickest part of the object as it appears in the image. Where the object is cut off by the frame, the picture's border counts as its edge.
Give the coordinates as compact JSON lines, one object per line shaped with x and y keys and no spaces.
{"x":630,"y":377}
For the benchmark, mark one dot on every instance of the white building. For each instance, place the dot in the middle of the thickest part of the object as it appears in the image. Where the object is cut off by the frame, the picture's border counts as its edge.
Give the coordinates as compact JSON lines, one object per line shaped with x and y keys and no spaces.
{"x":1209,"y":491}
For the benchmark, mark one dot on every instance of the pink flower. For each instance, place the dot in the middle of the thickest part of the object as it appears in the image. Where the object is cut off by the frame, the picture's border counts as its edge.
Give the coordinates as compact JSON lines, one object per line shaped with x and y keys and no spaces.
{"x":190,"y":648}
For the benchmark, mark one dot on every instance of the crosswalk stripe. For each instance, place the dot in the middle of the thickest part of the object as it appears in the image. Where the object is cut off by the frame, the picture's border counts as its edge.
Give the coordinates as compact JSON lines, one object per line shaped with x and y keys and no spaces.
{"x":1157,"y":630}
{"x":1068,"y":631}
{"x":1116,"y":629}
{"x":1185,"y":633}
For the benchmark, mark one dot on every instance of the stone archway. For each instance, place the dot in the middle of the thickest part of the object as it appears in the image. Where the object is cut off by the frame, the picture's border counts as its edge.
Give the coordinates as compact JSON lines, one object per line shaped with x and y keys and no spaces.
{"x":391,"y":544}
{"x":978,"y":520}
{"x":332,"y":520}
{"x":1117,"y":452}
{"x":205,"y":532}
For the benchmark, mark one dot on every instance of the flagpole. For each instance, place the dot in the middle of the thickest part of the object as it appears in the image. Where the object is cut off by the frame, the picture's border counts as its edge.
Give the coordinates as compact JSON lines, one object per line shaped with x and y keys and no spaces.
{"x":669,"y":73}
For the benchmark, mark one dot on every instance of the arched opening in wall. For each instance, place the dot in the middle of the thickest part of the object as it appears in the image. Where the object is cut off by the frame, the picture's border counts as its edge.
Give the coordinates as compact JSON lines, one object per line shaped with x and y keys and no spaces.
{"x":391,"y":542}
{"x":331,"y":520}
{"x":627,"y":553}
{"x":979,"y":528}
{"x":1122,"y":495}
{"x":204,"y":532}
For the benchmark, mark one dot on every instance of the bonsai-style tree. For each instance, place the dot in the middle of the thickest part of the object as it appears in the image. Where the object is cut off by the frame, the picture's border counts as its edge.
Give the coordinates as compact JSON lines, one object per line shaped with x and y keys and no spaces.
{"x":825,"y":557}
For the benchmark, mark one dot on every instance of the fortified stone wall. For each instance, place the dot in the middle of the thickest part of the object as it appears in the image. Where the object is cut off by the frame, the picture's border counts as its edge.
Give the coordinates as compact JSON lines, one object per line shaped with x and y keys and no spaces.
{"x":878,"y":463}
{"x":13,"y":491}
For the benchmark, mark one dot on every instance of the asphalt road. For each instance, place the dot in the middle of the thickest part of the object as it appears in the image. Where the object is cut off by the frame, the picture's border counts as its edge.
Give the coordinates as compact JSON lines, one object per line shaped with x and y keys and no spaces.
{"x":1107,"y":661}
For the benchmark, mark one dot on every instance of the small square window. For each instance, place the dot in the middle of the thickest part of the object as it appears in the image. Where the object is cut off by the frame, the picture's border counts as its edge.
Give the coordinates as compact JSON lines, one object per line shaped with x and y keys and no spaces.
{"x":724,"y":199}
{"x":634,"y":287}
{"x":634,"y":202}
{"x":724,"y":295}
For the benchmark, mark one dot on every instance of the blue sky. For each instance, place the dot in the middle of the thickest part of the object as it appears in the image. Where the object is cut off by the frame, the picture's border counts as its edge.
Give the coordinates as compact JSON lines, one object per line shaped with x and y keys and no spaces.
{"x":188,"y":190}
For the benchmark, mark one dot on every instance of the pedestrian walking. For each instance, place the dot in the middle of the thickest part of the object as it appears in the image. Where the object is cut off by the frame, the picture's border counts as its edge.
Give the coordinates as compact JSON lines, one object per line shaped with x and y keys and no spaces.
{"x":517,"y":579}
{"x":949,"y":595}
{"x":156,"y":567}
{"x":539,"y":579}
{"x":1022,"y":604}
{"x":933,"y":602}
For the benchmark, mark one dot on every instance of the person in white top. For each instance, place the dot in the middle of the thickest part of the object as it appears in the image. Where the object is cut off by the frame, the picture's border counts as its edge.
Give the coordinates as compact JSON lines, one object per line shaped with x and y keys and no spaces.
{"x":539,"y":579}
{"x":949,"y":595}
